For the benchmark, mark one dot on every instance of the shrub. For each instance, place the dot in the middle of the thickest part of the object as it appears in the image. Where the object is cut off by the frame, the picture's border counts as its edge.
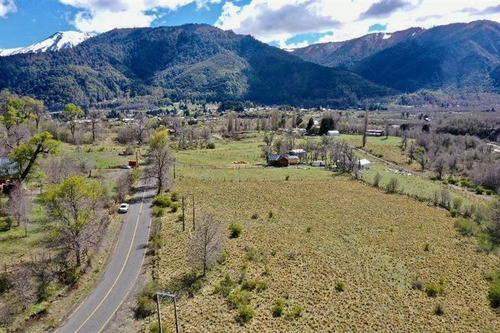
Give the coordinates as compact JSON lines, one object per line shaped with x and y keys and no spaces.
{"x":249,"y":285}
{"x":271,"y":214}
{"x":434,"y":289}
{"x":295,"y":313}
{"x":439,"y":310}
{"x":174,"y":196}
{"x":5,"y":283}
{"x":239,"y":298}
{"x":479,"y":190}
{"x":235,"y":230}
{"x":145,"y":306}
{"x":392,"y":186}
{"x":255,"y":216}
{"x":155,"y":328}
{"x":494,"y":294}
{"x":278,"y":308}
{"x":174,"y":207}
{"x":466,"y":227}
{"x":457,"y":203}
{"x":161,"y":200}
{"x":308,"y":229}
{"x":225,"y":286}
{"x":158,"y":211}
{"x":287,"y":177}
{"x":261,"y":286}
{"x":340,"y":287}
{"x":252,"y":255}
{"x":376,"y":180}
{"x":210,"y":145}
{"x":489,"y":192}
{"x":454,"y":212}
{"x":245,"y":313}
{"x":417,"y":285}
{"x":427,"y":247}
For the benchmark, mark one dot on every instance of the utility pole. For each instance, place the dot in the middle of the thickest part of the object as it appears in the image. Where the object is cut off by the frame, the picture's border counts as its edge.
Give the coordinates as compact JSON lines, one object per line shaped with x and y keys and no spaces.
{"x":159,"y":312}
{"x":194,"y":216}
{"x":183,"y":214}
{"x":172,"y":296}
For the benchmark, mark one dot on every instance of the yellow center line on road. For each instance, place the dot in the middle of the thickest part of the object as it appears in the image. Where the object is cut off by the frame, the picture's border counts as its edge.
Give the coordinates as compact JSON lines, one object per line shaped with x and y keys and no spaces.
{"x":122,"y":269}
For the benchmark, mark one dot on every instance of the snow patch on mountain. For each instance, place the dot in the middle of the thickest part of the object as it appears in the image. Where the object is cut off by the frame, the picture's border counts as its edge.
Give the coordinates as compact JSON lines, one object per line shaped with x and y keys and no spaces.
{"x":58,"y":41}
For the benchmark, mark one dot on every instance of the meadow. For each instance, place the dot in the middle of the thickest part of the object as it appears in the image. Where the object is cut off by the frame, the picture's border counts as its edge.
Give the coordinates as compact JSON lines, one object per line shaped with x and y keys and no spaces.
{"x":338,"y":254}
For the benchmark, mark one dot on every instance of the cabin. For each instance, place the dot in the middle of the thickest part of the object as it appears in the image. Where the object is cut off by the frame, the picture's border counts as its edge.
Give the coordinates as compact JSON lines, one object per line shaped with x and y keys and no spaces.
{"x":374,"y":132}
{"x":332,"y":133}
{"x":292,"y":159}
{"x":318,"y":164}
{"x":278,"y":161}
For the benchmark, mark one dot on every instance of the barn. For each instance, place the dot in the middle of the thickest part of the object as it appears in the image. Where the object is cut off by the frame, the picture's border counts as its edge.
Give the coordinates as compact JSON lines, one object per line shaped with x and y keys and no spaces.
{"x":292,"y":159}
{"x":278,"y":161}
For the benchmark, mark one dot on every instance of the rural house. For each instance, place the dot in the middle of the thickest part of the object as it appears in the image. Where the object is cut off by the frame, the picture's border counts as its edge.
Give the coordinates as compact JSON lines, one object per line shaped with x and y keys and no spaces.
{"x":374,"y":132}
{"x":300,"y":153}
{"x":278,"y":161}
{"x":292,"y":159}
{"x":333,"y":133}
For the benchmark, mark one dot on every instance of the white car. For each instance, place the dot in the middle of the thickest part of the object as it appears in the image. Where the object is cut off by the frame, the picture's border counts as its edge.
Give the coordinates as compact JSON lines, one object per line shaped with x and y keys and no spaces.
{"x":123,"y":208}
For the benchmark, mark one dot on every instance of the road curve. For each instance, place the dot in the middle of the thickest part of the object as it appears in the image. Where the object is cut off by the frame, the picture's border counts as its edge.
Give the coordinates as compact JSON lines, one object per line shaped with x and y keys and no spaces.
{"x":123,"y":268}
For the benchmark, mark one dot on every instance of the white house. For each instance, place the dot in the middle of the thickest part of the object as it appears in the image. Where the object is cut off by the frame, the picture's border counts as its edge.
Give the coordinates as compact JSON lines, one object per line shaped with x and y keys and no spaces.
{"x":301,"y":153}
{"x":364,"y":164}
{"x":318,"y":164}
{"x":332,"y":133}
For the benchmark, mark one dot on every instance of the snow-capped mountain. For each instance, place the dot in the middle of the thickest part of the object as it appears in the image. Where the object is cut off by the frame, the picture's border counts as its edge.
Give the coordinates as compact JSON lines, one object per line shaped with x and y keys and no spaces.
{"x":58,"y":41}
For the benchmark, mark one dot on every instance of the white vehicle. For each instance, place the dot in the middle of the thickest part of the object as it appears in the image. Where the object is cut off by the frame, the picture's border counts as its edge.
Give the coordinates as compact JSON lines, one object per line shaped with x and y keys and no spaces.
{"x":123,"y":208}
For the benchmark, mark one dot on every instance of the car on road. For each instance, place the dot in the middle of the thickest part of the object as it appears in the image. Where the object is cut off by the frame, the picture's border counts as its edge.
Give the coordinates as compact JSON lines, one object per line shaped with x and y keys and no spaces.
{"x":123,"y":208}
{"x":125,"y":166}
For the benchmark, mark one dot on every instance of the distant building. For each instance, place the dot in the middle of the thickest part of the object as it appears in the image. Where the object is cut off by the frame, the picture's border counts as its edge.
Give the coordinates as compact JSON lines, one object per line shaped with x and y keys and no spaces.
{"x":278,"y":161}
{"x":364,"y":164}
{"x":301,"y":153}
{"x":318,"y":164}
{"x":332,"y":133}
{"x":374,"y":132}
{"x":292,"y":159}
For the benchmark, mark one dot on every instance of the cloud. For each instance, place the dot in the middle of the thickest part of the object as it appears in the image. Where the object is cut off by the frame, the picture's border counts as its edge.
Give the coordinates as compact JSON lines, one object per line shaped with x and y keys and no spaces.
{"x":385,"y":8}
{"x":278,"y":21}
{"x":7,"y":6}
{"x":104,"y":15}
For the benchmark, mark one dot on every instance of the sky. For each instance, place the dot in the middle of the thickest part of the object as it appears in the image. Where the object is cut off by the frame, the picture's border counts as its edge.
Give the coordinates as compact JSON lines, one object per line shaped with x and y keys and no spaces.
{"x":283,"y":23}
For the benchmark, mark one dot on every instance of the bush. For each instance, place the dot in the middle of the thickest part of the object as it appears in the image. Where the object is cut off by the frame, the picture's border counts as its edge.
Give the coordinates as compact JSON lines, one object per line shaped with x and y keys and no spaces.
{"x":248,"y":285}
{"x":392,"y":186}
{"x":466,"y":227}
{"x":479,"y":190}
{"x":376,"y":180}
{"x":255,"y":216}
{"x":271,"y":214}
{"x":340,"y":286}
{"x":161,"y":200}
{"x":174,"y":207}
{"x":494,"y":294}
{"x":454,"y":212}
{"x":278,"y":308}
{"x":295,"y":313}
{"x":261,"y":286}
{"x":158,"y":211}
{"x":225,"y":286}
{"x":155,"y":328}
{"x":5,"y":283}
{"x":239,"y":298}
{"x":417,"y":285}
{"x":308,"y":229}
{"x":145,"y":306}
{"x":235,"y":230}
{"x":439,"y":311}
{"x":457,"y":203}
{"x":245,"y":313}
{"x":434,"y":289}
{"x":287,"y":177}
{"x":210,"y":145}
{"x":174,"y":196}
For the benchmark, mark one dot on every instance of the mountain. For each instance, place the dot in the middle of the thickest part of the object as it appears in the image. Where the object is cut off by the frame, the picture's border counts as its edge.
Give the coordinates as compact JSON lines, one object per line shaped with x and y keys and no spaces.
{"x":348,"y":53}
{"x":58,"y":41}
{"x":190,"y":61}
{"x":460,"y":56}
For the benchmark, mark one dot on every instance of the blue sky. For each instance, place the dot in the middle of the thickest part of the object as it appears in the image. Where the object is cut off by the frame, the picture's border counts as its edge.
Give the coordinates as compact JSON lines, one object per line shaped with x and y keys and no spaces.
{"x":284,"y":23}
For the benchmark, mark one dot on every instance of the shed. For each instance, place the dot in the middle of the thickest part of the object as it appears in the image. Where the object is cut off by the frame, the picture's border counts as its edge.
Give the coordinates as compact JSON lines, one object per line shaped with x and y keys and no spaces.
{"x":292,"y":159}
{"x":277,"y":161}
{"x":364,"y":164}
{"x":332,"y":133}
{"x":318,"y":164}
{"x":374,"y":132}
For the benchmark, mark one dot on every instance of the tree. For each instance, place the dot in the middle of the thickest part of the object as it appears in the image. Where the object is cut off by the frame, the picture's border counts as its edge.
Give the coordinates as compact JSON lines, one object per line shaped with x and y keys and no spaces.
{"x":327,"y":124}
{"x":123,"y":185}
{"x":421,"y":157}
{"x":310,"y":124}
{"x":159,"y":159}
{"x":71,"y":113}
{"x":439,"y":166}
{"x":207,"y":244}
{"x":365,"y":128}
{"x":26,"y":154}
{"x":19,"y":207}
{"x":494,"y":225}
{"x":75,"y":207}
{"x":95,"y":116}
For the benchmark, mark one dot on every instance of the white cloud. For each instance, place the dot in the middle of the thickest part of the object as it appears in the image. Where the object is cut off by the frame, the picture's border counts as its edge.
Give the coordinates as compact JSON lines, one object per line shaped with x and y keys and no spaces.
{"x":7,"y":6}
{"x":279,"y":20}
{"x":104,"y":15}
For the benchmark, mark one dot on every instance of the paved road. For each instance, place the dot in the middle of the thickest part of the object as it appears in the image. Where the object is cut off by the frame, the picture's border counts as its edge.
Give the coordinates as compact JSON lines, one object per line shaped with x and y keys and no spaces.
{"x":122,"y":270}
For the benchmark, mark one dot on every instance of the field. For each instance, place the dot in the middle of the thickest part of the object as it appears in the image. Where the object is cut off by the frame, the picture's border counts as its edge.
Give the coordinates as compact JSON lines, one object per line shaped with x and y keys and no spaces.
{"x":304,"y":236}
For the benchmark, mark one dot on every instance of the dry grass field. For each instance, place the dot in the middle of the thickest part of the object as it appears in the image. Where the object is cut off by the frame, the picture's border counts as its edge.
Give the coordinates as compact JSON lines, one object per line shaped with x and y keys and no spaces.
{"x":324,"y":231}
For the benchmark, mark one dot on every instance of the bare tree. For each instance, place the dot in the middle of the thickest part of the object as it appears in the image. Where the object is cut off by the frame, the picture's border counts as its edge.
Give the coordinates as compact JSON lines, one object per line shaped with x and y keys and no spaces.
{"x":160,"y":159}
{"x":365,"y":128}
{"x":207,"y":244}
{"x":123,"y":185}
{"x":95,"y":116}
{"x":19,"y":207}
